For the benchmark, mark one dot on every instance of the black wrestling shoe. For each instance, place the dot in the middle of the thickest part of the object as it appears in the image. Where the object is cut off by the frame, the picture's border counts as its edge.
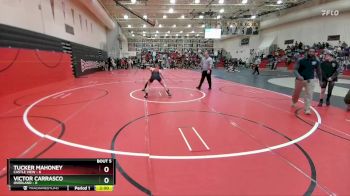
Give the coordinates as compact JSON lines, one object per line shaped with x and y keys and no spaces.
{"x":198,"y":88}
{"x":143,"y":90}
{"x":320,"y":103}
{"x":328,"y":102}
{"x":168,"y":92}
{"x":146,"y":95}
{"x":209,"y":88}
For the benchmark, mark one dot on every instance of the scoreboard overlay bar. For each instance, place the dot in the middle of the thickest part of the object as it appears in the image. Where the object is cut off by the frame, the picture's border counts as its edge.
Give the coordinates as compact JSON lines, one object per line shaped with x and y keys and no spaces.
{"x":63,"y":188}
{"x":61,"y":174}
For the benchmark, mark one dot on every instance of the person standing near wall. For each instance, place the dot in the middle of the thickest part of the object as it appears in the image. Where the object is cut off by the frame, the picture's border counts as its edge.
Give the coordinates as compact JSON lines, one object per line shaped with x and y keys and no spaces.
{"x":256,"y":65}
{"x":330,"y":71}
{"x":110,"y":64}
{"x":130,"y":62}
{"x":206,"y":66}
{"x":347,"y":100}
{"x":304,"y":71}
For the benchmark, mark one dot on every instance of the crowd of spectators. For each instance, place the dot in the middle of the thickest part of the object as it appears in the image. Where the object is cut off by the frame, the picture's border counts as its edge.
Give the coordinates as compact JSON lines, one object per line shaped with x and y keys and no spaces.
{"x":287,"y":57}
{"x":171,"y":60}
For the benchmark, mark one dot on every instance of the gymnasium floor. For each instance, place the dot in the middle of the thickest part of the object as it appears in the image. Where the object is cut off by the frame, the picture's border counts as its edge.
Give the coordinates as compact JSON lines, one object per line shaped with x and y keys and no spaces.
{"x":232,"y":140}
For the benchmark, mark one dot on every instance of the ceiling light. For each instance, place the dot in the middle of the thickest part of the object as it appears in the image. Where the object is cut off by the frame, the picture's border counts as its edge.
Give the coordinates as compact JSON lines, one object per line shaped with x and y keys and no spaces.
{"x":189,"y":25}
{"x":132,"y":32}
{"x":244,"y":1}
{"x":177,"y":35}
{"x":143,"y":32}
{"x":126,"y":16}
{"x":160,"y":25}
{"x":253,"y":17}
{"x":222,"y":10}
{"x":144,"y":26}
{"x":231,"y":26}
{"x":182,"y":16}
{"x":197,"y":35}
{"x":133,"y":1}
{"x":168,"y":32}
{"x":218,"y":17}
{"x":145,"y":16}
{"x":197,"y":1}
{"x":133,"y":35}
{"x":201,"y":16}
{"x":203,"y":25}
{"x":172,"y":1}
{"x":157,"y":31}
{"x":155,"y":35}
{"x":221,"y":1}
{"x":129,"y":26}
{"x":164,"y":16}
{"x":279,"y":2}
{"x":174,"y":25}
{"x":187,"y":35}
{"x":171,"y":10}
{"x":181,"y":31}
{"x":192,"y":31}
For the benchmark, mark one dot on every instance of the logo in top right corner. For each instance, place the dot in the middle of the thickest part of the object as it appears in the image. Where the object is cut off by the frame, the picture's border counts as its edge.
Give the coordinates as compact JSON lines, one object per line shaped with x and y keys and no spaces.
{"x":330,"y":12}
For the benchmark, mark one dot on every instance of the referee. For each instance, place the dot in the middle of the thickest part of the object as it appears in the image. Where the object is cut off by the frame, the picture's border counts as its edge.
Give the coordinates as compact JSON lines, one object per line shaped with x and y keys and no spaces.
{"x":206,"y":66}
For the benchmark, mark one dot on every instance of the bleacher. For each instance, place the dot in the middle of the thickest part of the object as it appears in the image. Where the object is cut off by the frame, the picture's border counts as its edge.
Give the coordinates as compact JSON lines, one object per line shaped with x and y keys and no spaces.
{"x":283,"y":65}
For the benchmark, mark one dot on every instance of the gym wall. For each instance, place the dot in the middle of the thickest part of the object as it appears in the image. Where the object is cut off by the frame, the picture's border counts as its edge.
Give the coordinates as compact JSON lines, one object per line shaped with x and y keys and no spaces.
{"x":65,"y":19}
{"x":29,"y":59}
{"x":44,"y":41}
{"x":308,"y":31}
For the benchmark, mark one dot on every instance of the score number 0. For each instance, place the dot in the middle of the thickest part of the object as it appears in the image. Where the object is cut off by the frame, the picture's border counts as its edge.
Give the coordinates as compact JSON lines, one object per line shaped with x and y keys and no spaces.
{"x":106,"y":170}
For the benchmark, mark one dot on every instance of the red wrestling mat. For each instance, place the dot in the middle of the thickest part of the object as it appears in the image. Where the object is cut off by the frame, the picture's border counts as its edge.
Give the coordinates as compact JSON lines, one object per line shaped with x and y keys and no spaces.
{"x":231,"y":140}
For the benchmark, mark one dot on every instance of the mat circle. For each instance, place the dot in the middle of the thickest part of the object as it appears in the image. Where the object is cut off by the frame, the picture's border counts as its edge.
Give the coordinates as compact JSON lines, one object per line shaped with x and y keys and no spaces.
{"x":132,"y":95}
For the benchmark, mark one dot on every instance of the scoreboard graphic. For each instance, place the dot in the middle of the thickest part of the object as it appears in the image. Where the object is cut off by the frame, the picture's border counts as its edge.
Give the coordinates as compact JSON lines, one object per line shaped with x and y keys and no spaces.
{"x":61,"y":174}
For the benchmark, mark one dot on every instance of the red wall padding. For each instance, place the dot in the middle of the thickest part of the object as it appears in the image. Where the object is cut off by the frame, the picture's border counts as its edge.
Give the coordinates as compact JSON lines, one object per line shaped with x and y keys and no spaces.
{"x":346,"y":72}
{"x":263,"y":63}
{"x":281,"y":64}
{"x":291,"y":66}
{"x":221,"y":63}
{"x":22,"y":69}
